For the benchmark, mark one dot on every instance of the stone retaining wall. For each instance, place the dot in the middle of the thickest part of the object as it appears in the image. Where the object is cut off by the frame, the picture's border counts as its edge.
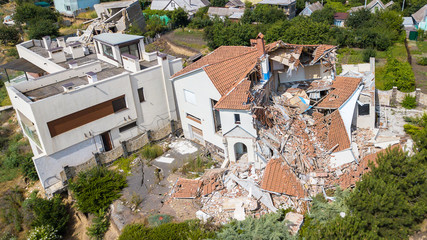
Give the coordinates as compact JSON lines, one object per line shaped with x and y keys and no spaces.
{"x":394,"y":97}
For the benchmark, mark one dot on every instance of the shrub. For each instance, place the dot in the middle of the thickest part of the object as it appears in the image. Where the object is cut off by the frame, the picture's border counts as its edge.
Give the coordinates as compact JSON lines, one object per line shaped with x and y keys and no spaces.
{"x":46,"y":232}
{"x":409,"y":102}
{"x":398,"y":74}
{"x":124,"y":164}
{"x":150,"y":152}
{"x":367,"y":54}
{"x":44,"y":212}
{"x":269,"y":226}
{"x":422,"y":61}
{"x":97,"y":188}
{"x":99,"y":226}
{"x":159,"y":219}
{"x":184,"y":230}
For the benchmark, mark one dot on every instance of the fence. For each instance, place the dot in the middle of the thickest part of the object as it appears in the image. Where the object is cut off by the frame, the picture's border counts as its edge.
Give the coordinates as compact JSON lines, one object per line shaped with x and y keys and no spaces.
{"x":126,"y":148}
{"x":394,"y":96}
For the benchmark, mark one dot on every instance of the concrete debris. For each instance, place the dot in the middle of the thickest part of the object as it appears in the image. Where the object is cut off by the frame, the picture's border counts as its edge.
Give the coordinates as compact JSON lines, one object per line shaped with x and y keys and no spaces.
{"x":295,"y":221}
{"x":203,"y":216}
{"x":113,"y":17}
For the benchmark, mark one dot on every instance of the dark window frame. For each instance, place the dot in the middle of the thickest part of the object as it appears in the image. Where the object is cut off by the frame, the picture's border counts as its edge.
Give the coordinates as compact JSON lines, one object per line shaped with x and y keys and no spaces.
{"x":119,"y":104}
{"x":141,"y":95}
{"x":237,"y":118}
{"x":127,"y":127}
{"x":105,"y":54}
{"x":364,"y":110}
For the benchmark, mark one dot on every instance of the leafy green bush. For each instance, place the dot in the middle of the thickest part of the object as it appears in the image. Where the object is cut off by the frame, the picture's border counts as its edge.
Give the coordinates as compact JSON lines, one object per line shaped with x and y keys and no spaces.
{"x":97,"y":188}
{"x":44,"y":212}
{"x":422,"y":61}
{"x":409,"y":102}
{"x":159,"y":219}
{"x":398,"y":74}
{"x":151,"y":151}
{"x":46,"y":232}
{"x":185,"y":230}
{"x":269,"y":226}
{"x":99,"y":227}
{"x":368,"y":53}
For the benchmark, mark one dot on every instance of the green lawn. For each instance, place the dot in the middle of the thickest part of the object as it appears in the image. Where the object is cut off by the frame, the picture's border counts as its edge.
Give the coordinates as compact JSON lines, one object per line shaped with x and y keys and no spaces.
{"x":422,"y":46}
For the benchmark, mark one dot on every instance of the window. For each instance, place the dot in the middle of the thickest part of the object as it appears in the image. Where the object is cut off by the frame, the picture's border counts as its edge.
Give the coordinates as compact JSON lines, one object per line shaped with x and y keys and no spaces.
{"x":141,"y":95}
{"x":172,"y":5}
{"x":130,"y":49}
{"x":216,"y":116}
{"x":107,"y":50}
{"x":119,"y":104}
{"x":190,"y":97}
{"x":68,"y":8}
{"x":127,"y":127}
{"x":194,"y":118}
{"x":363,"y":109}
{"x":237,"y":118}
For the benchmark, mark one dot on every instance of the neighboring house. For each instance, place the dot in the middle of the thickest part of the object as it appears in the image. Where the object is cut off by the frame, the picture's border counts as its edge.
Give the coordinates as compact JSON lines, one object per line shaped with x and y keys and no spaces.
{"x":420,"y":18}
{"x":408,"y":24}
{"x":89,"y":101}
{"x":234,"y":14}
{"x":69,"y":7}
{"x":215,"y":95}
{"x":373,"y":6}
{"x":288,"y":6}
{"x":235,"y":4}
{"x":310,"y":8}
{"x":190,"y":6}
{"x":340,"y":18}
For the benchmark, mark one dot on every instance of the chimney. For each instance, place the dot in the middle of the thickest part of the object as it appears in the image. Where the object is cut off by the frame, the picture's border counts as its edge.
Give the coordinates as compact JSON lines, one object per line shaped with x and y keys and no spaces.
{"x":91,"y":77}
{"x":68,"y":87}
{"x":76,"y":50}
{"x":72,"y":64}
{"x":46,"y":42}
{"x":57,"y":55}
{"x":260,"y":44}
{"x":130,"y":62}
{"x":372,"y":64}
{"x":61,"y":42}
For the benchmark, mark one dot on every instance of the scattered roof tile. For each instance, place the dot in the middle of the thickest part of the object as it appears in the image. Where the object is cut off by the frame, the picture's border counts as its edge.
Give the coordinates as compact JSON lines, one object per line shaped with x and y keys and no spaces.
{"x":279,"y":178}
{"x":331,"y":131}
{"x":187,"y":188}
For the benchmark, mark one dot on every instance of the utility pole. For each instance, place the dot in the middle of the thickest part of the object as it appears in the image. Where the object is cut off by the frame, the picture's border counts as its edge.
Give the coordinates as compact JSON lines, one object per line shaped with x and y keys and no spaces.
{"x":365,"y":3}
{"x":403,"y":5}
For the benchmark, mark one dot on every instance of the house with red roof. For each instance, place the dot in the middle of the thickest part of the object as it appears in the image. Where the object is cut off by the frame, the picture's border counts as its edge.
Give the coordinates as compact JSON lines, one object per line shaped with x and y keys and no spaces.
{"x":217,"y":95}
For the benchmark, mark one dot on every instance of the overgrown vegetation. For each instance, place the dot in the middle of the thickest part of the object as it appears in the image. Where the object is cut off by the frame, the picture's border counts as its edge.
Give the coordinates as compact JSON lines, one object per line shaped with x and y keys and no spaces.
{"x":11,"y":211}
{"x":194,"y":167}
{"x":99,"y":226}
{"x":42,"y":212}
{"x":150,"y":152}
{"x":184,"y":230}
{"x":388,"y":203}
{"x":159,"y":219}
{"x":398,"y":74}
{"x":46,"y":232}
{"x":269,"y":226}
{"x":95,"y":189}
{"x":422,"y":61}
{"x":124,"y":164}
{"x":409,"y":102}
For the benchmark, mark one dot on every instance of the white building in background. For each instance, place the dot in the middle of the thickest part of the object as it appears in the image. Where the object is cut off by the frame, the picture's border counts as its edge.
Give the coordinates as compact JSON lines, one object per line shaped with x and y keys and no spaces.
{"x":216,"y":95}
{"x":89,"y":99}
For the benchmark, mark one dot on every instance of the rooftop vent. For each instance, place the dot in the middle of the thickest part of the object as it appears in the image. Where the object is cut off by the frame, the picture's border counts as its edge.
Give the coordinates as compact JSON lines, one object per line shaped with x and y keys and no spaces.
{"x":72,"y":64}
{"x":91,"y":77}
{"x":68,"y":87}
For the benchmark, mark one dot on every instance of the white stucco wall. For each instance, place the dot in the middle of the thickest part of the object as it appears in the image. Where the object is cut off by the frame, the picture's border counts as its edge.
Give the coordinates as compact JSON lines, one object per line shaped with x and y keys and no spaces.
{"x":200,"y":84}
{"x":246,"y":121}
{"x":38,"y":60}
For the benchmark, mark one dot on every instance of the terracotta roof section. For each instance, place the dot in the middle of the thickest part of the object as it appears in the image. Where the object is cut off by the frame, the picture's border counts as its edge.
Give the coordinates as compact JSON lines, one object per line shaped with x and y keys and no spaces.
{"x":279,"y":178}
{"x":331,"y":131}
{"x":227,"y":73}
{"x":350,"y":178}
{"x":341,"y":16}
{"x":220,"y":54}
{"x":237,"y":98}
{"x":320,"y":51}
{"x":344,"y":87}
{"x":187,"y":188}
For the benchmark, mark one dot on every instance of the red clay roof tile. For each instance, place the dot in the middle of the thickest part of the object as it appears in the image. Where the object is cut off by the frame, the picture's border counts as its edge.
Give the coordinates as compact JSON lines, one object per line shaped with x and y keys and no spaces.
{"x":343,"y":89}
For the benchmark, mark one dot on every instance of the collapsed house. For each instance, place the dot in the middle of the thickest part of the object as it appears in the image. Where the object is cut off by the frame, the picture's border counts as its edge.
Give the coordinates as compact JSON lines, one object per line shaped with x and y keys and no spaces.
{"x":284,"y":122}
{"x":113,"y":17}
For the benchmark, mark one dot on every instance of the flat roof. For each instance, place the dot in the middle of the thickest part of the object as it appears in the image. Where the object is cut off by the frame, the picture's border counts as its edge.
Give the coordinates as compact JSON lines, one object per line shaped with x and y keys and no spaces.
{"x":116,"y":38}
{"x":21,"y":64}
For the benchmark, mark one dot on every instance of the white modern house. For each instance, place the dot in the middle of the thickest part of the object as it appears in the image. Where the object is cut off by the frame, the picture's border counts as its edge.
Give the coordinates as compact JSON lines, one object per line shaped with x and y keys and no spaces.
{"x":87,"y":99}
{"x":217,"y":95}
